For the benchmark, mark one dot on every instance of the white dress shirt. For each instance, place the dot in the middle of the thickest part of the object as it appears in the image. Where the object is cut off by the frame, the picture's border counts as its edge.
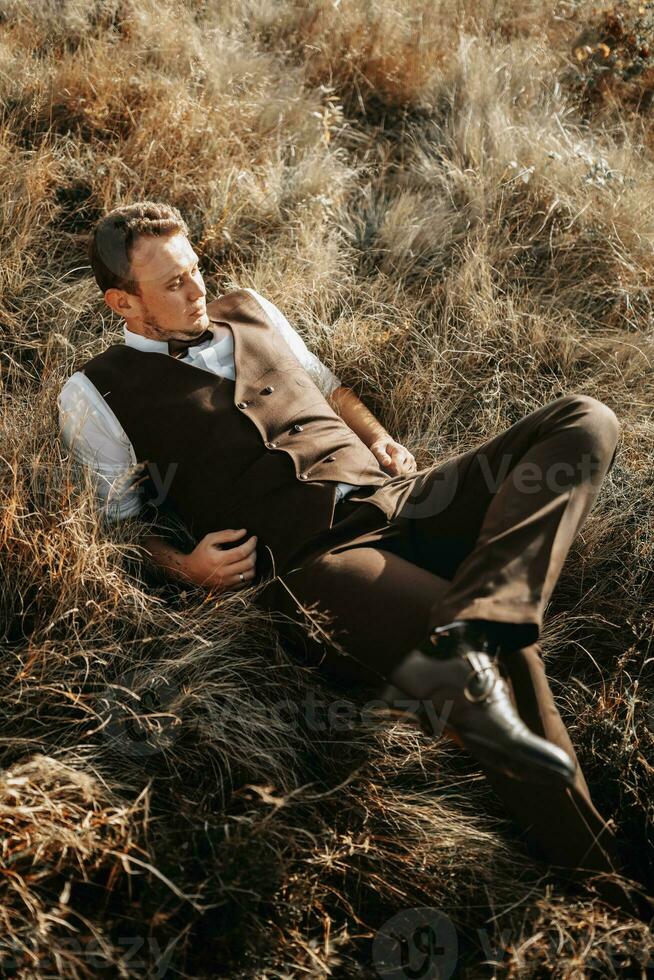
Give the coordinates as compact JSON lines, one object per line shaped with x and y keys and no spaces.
{"x":91,"y":431}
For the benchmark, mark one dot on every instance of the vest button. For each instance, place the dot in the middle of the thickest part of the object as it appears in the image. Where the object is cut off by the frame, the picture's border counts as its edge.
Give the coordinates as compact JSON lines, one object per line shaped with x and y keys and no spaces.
{"x":271,"y":445}
{"x":297,"y":428}
{"x":268,"y":390}
{"x":242,"y":404}
{"x":303,"y":476}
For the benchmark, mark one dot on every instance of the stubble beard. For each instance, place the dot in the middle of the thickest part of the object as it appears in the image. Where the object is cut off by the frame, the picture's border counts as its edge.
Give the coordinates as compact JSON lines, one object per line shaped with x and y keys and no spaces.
{"x":159,"y":332}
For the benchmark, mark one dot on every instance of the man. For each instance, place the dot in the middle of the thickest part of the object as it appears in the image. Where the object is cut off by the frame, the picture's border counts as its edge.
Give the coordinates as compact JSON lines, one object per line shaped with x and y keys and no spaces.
{"x":434,"y":581}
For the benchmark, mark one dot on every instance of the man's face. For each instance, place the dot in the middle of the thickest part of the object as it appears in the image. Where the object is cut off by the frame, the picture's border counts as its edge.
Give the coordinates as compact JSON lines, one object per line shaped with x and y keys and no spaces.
{"x":172,"y":301}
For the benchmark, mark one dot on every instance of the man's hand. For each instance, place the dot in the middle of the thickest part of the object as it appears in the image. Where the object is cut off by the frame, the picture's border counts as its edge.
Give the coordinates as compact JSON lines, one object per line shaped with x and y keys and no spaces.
{"x":392,"y":456}
{"x":216,"y":567}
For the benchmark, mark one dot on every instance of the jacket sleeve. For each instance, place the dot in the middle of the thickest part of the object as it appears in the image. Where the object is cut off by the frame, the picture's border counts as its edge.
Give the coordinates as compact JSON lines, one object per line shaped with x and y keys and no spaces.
{"x":325,"y":379}
{"x":90,"y":431}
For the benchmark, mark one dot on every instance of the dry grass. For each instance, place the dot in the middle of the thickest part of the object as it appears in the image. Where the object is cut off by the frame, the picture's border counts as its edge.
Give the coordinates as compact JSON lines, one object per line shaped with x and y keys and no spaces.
{"x":457,"y":213}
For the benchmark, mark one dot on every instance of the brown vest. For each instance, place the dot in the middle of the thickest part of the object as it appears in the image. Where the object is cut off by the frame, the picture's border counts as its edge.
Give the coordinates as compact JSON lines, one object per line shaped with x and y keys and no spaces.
{"x":264,"y":452}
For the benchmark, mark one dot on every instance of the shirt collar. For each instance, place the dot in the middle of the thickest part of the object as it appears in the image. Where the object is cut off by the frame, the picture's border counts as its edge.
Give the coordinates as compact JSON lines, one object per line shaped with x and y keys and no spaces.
{"x":145,"y":343}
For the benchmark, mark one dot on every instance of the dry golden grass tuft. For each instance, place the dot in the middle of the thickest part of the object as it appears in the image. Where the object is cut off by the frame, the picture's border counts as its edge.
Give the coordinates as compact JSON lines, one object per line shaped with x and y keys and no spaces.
{"x":462,"y":232}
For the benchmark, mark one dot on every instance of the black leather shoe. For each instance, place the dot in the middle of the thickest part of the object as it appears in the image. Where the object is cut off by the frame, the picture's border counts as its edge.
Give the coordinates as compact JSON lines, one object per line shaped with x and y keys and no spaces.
{"x":453,"y":686}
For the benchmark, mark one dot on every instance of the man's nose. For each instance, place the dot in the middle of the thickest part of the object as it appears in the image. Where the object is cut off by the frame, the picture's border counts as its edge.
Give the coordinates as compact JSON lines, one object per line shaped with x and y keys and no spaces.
{"x":197,"y":289}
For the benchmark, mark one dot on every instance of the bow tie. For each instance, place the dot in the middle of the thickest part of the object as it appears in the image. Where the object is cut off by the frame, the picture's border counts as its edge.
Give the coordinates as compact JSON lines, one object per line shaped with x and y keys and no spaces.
{"x":178,"y":348}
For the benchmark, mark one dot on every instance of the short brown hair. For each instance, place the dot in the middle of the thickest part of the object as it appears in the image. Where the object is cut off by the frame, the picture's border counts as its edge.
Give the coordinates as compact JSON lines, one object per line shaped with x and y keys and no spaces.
{"x":113,"y":238}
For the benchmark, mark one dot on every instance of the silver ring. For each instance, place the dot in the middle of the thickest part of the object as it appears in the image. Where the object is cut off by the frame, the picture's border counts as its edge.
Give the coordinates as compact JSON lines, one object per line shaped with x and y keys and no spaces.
{"x":241,"y":576}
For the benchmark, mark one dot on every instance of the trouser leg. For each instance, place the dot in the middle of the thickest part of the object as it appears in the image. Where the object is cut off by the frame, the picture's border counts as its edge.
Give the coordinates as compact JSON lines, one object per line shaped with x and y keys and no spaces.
{"x":498,"y":520}
{"x":561,"y":824}
{"x":358,"y":610}
{"x":361,"y":609}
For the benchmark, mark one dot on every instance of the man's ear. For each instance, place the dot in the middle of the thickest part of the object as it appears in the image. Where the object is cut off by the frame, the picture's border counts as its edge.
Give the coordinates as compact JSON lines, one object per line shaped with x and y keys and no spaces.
{"x":122,"y":303}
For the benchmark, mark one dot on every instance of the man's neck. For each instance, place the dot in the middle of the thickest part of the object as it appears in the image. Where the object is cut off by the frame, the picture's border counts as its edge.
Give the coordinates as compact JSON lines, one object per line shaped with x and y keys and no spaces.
{"x":134,"y":338}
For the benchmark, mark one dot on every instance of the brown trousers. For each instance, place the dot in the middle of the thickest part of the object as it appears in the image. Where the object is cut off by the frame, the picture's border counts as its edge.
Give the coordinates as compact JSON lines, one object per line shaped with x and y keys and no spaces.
{"x":481,"y":536}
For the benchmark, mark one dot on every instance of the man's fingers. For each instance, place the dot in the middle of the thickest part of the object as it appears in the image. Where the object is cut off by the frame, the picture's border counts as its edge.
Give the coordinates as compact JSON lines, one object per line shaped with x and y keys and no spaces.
{"x":229,"y":577}
{"x":220,"y":537}
{"x":236,"y":579}
{"x":242,"y":550}
{"x":404,"y":465}
{"x":241,"y":566}
{"x":403,"y":458}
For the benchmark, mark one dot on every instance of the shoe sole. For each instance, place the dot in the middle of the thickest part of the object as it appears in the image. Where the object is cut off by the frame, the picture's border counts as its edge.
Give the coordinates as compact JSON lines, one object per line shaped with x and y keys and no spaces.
{"x":492,"y":756}
{"x":526,"y":770}
{"x":453,"y":735}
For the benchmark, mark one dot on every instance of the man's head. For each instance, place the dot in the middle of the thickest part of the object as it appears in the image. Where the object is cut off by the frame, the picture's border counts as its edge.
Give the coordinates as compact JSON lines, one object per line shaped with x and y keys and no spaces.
{"x":148,"y":271}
